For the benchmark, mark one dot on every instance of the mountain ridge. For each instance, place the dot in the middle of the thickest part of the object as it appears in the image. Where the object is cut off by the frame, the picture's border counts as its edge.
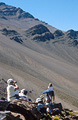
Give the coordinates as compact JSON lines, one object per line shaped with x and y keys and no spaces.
{"x":7,"y":10}
{"x":18,"y":14}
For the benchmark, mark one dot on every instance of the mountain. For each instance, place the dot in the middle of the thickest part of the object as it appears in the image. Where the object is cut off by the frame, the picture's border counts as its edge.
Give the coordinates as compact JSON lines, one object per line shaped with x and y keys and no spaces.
{"x":7,"y":12}
{"x":11,"y":15}
{"x":34,"y":53}
{"x":39,"y":33}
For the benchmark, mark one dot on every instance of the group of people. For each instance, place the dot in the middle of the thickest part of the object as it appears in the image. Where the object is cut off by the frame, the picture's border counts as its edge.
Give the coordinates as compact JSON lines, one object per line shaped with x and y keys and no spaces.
{"x":47,"y":104}
{"x":43,"y":105}
{"x":14,"y":93}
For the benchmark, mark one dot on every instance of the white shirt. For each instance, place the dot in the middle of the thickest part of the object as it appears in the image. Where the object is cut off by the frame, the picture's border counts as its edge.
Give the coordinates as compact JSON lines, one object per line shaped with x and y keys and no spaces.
{"x":23,"y":96}
{"x":10,"y":93}
{"x":50,"y":88}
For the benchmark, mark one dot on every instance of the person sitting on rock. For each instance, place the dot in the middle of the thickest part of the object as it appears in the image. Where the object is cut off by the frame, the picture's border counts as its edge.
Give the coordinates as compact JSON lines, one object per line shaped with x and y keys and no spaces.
{"x":53,"y":111}
{"x":41,"y":107}
{"x":23,"y":95}
{"x":11,"y":90}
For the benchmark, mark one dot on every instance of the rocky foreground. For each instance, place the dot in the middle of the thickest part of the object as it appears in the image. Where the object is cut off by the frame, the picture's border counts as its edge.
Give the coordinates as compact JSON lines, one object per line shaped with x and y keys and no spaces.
{"x":22,"y":110}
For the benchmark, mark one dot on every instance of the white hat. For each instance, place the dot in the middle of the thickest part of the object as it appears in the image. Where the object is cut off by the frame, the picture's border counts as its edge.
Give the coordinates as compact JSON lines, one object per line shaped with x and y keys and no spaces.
{"x":23,"y":90}
{"x":41,"y":96}
{"x":9,"y":81}
{"x":38,"y":100}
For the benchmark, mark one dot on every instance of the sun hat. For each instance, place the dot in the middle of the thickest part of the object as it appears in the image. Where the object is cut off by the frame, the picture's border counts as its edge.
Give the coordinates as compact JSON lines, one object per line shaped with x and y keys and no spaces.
{"x":38,"y":100}
{"x":9,"y":81}
{"x":23,"y":90}
{"x":41,"y":96}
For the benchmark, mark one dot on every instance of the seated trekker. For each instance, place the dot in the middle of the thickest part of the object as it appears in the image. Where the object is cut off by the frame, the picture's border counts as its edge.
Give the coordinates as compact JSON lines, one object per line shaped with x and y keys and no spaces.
{"x":11,"y":90}
{"x":53,"y":111}
{"x":41,"y":107}
{"x":23,"y":95}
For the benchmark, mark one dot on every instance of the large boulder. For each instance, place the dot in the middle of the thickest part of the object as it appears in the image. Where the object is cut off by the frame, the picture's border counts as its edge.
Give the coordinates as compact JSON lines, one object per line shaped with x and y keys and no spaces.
{"x":27,"y":109}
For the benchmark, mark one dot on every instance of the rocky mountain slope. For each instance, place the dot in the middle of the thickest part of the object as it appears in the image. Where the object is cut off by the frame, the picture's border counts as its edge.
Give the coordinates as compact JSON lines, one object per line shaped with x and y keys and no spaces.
{"x":34,"y":53}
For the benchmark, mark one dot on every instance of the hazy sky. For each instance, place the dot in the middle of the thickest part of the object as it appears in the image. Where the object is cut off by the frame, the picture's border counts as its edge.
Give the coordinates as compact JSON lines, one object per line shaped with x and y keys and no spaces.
{"x":62,"y":14}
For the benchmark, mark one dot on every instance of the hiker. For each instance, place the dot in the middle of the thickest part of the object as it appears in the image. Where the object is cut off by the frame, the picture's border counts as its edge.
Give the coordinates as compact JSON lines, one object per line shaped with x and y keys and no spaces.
{"x":23,"y":95}
{"x":51,"y":92}
{"x":11,"y":90}
{"x":47,"y":99}
{"x":53,"y":111}
{"x":41,"y":107}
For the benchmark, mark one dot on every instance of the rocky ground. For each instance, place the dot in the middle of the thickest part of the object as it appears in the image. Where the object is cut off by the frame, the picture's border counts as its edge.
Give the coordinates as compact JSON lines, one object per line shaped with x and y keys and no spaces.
{"x":22,"y":110}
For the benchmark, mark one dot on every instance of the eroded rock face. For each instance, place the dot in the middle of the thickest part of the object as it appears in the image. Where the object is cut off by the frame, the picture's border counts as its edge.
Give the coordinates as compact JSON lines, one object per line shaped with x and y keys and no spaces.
{"x":58,"y":33}
{"x":39,"y":33}
{"x":12,"y":34}
{"x":38,"y":29}
{"x":13,"y":12}
{"x":9,"y":32}
{"x":72,"y":34}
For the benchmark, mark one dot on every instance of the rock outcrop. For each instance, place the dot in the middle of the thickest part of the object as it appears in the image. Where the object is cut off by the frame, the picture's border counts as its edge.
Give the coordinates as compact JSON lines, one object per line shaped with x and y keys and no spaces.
{"x":26,"y":109}
{"x":58,"y":33}
{"x":22,"y":110}
{"x":7,"y":32}
{"x":72,"y":34}
{"x":39,"y":33}
{"x":12,"y":34}
{"x":13,"y":12}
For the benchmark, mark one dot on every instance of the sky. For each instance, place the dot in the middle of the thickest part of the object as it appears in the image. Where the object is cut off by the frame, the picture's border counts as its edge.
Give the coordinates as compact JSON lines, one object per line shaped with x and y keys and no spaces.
{"x":61,"y":14}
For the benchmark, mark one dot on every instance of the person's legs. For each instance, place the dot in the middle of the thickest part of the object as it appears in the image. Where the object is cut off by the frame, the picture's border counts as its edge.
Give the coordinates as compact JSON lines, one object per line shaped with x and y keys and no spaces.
{"x":52,"y":96}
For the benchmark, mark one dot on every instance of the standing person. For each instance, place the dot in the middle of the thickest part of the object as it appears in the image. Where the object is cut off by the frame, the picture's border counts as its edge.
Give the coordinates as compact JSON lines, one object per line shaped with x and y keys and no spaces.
{"x":11,"y":90}
{"x":51,"y":93}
